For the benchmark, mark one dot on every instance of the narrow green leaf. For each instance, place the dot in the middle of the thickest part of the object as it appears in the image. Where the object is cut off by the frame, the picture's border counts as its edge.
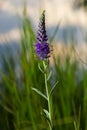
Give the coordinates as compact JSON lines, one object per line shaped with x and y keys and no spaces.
{"x":6,"y":108}
{"x":40,"y":93}
{"x":75,"y":125}
{"x":49,"y":75}
{"x":45,"y":65}
{"x":47,"y":116}
{"x":53,"y":88}
{"x":40,"y":68}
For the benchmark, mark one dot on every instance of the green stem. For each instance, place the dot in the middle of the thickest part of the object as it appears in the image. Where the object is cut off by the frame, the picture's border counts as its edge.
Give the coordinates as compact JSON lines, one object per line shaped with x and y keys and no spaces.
{"x":47,"y":93}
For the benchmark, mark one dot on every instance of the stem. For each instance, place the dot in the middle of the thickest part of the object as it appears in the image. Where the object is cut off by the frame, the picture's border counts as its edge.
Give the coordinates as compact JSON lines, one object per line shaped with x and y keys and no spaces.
{"x":47,"y":93}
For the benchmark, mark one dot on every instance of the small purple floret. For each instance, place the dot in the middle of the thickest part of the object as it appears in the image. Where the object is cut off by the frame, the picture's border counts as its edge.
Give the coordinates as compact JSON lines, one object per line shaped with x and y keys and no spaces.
{"x":42,"y":46}
{"x":42,"y":50}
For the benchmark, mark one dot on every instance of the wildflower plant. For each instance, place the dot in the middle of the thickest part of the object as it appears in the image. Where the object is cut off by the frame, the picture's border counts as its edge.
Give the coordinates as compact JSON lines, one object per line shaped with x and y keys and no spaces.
{"x":43,"y":51}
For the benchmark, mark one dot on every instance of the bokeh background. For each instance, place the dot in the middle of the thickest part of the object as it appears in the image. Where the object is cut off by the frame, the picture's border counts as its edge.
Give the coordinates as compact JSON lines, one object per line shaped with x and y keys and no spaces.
{"x":66,"y":24}
{"x":69,"y":13}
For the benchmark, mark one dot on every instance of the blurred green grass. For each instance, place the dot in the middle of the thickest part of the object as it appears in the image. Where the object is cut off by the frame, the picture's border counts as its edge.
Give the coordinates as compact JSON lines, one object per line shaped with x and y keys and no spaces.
{"x":20,"y":108}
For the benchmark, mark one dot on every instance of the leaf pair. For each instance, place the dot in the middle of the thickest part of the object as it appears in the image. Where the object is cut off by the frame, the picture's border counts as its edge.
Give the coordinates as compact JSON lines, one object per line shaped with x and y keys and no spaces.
{"x":43,"y":95}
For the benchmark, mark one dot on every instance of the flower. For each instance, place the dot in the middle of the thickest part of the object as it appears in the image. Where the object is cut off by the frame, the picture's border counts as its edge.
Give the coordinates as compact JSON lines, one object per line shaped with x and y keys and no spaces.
{"x":42,"y":45}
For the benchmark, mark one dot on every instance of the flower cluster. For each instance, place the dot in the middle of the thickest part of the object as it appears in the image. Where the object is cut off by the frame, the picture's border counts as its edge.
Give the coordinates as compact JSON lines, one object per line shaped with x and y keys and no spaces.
{"x":42,"y":45}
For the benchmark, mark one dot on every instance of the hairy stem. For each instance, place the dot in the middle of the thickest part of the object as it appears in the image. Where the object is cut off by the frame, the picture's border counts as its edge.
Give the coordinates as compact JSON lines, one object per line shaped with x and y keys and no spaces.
{"x":48,"y":96}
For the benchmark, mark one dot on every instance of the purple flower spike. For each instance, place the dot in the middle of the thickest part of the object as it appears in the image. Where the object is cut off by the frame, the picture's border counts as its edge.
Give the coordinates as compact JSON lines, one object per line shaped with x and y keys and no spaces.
{"x":42,"y":46}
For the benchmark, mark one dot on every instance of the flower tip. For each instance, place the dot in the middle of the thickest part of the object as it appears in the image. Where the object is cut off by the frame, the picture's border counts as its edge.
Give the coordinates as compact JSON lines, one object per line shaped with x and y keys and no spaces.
{"x":42,"y":14}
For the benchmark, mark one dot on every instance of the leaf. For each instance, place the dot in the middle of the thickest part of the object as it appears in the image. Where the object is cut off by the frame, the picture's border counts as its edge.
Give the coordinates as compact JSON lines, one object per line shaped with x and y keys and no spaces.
{"x":53,"y":88}
{"x":49,"y":75}
{"x":45,"y":65}
{"x":40,"y":68}
{"x":47,"y":116}
{"x":40,"y":93}
{"x":75,"y":125}
{"x":6,"y":108}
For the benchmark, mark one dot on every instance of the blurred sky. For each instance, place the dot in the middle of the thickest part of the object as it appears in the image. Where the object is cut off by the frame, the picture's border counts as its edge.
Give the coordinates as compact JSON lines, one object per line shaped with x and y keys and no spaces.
{"x":73,"y":22}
